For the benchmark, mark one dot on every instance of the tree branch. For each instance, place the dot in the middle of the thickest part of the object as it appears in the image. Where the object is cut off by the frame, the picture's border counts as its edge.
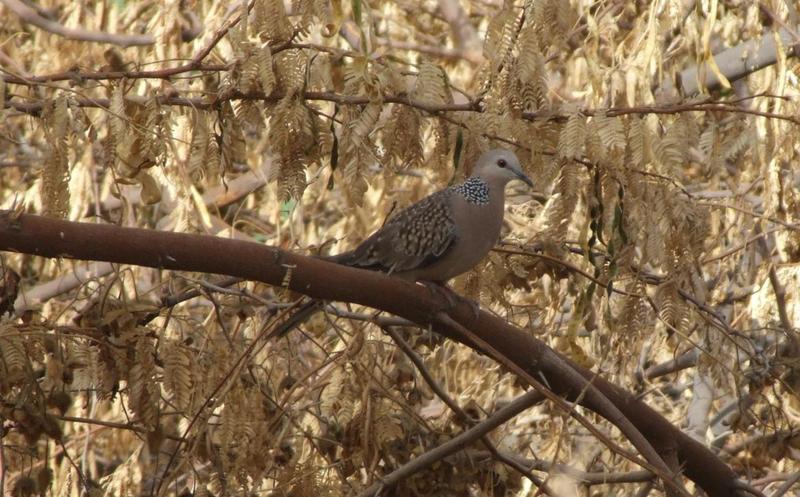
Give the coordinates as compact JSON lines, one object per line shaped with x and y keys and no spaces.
{"x":734,"y":63}
{"x":320,"y":279}
{"x":30,"y":16}
{"x":456,"y":444}
{"x":432,"y":108}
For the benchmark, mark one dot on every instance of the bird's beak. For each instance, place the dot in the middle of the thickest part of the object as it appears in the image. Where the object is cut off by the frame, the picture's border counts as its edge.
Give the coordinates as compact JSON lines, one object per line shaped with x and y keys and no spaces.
{"x":523,"y":177}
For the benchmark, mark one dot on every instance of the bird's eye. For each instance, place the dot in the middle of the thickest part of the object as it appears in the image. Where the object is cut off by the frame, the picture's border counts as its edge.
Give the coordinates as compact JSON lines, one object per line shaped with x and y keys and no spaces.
{"x":501,"y":162}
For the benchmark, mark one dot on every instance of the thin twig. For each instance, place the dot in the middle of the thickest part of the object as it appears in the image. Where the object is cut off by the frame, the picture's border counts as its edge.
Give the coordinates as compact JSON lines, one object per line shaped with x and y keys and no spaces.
{"x":780,"y":303}
{"x":453,"y":405}
{"x":583,"y":477}
{"x":341,"y":99}
{"x":520,"y":404}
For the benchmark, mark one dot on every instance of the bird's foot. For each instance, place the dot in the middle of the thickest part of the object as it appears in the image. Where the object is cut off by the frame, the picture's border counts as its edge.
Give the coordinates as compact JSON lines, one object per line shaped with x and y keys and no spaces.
{"x":452,"y":298}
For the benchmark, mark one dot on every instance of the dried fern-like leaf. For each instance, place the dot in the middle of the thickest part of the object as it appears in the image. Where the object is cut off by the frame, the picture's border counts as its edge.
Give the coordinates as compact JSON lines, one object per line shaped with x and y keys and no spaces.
{"x":741,"y":138}
{"x":290,"y":136}
{"x":499,"y":37}
{"x":312,"y":12}
{"x":234,"y":145}
{"x":117,"y":121}
{"x":142,"y":387}
{"x":529,"y":90}
{"x":15,"y":364}
{"x":256,"y":71}
{"x":611,"y":132}
{"x":358,"y":149}
{"x":573,"y":137}
{"x":266,"y":73}
{"x":402,"y":138}
{"x":670,"y":306}
{"x":290,"y":71}
{"x":56,"y":173}
{"x":432,"y":85}
{"x":671,"y":150}
{"x":555,"y":218}
{"x":271,"y":22}
{"x":248,"y":72}
{"x":635,"y":152}
{"x":634,"y":311}
{"x":213,"y":162}
{"x":178,"y":374}
{"x":198,"y":147}
{"x":323,"y":136}
{"x":543,"y":17}
{"x":155,"y":127}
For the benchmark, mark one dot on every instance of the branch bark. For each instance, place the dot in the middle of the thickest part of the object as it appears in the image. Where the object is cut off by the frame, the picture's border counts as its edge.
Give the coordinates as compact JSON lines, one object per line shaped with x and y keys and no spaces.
{"x":323,"y":280}
{"x":735,"y":63}
{"x":30,"y":16}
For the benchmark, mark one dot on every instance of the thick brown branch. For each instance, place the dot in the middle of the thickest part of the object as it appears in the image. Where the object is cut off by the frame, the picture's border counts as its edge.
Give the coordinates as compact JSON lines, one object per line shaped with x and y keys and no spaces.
{"x":319,"y":279}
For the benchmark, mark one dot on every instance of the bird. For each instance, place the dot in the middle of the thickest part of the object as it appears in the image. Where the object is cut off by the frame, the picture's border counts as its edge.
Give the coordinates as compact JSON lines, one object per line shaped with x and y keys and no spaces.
{"x":440,"y":237}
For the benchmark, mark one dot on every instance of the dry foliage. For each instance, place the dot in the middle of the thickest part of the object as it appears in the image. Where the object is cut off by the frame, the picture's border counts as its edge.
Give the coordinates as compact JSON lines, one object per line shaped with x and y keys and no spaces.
{"x":667,"y":233}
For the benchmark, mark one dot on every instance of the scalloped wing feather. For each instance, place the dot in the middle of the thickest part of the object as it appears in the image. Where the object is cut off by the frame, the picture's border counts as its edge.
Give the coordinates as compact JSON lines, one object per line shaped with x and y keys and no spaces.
{"x":412,"y":239}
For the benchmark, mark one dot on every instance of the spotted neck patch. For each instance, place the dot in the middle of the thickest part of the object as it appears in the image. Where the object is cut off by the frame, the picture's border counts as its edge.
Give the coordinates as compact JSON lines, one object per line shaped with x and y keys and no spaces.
{"x":474,"y":190}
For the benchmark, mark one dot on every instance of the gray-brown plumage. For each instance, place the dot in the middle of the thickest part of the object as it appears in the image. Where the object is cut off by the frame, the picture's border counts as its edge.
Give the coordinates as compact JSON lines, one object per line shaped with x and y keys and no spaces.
{"x":446,"y":233}
{"x":443,"y":235}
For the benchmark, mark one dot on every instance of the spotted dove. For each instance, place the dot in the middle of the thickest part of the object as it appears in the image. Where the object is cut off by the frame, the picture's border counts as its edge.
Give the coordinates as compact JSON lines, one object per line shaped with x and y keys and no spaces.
{"x":446,"y":233}
{"x":443,"y":235}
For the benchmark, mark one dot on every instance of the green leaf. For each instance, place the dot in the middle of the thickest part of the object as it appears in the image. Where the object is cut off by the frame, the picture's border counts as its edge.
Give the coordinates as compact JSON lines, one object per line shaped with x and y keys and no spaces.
{"x":287,"y":208}
{"x":356,"y":5}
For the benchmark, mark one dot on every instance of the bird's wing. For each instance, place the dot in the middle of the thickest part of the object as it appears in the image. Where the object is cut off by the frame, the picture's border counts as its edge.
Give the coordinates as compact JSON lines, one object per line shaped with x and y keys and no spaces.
{"x":413,"y":238}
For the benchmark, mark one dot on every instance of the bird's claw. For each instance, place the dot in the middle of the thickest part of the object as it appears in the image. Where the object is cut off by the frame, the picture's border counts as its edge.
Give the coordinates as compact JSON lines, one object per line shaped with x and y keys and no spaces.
{"x":453,"y":298}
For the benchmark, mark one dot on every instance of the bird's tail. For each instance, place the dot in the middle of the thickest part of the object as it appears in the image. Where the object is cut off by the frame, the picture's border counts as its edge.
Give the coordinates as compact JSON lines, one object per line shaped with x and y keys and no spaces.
{"x":300,"y":316}
{"x":345,"y":258}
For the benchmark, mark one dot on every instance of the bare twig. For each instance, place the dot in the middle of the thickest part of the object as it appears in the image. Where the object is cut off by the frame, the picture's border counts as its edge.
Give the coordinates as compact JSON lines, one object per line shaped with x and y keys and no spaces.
{"x":584,"y":477}
{"x":780,"y":303}
{"x":112,"y":424}
{"x":58,"y":286}
{"x":683,"y":361}
{"x":700,"y":406}
{"x":786,"y":485}
{"x":456,"y":444}
{"x":464,"y":32}
{"x":453,"y":405}
{"x":210,"y":103}
{"x":30,"y":16}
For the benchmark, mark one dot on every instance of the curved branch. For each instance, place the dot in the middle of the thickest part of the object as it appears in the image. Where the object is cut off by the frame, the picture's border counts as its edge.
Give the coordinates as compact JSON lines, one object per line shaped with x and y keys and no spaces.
{"x":323,"y":280}
{"x":30,"y":16}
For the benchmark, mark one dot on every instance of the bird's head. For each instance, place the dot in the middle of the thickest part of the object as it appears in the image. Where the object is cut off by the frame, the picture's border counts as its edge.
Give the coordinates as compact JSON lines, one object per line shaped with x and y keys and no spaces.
{"x":500,"y":166}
